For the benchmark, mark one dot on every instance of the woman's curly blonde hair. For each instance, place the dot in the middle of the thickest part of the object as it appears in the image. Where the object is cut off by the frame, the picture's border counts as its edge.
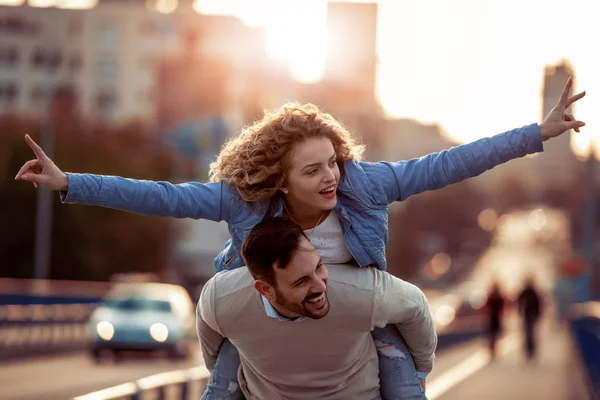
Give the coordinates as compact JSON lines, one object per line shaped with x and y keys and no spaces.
{"x":255,"y":161}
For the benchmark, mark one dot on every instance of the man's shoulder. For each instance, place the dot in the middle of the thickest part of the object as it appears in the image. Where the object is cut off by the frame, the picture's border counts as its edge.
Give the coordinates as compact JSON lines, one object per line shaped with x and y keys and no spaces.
{"x":352,"y":275}
{"x":229,"y":281}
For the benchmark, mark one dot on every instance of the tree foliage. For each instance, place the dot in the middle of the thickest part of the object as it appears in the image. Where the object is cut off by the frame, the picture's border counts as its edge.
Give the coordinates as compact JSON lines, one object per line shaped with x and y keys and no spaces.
{"x":88,"y":243}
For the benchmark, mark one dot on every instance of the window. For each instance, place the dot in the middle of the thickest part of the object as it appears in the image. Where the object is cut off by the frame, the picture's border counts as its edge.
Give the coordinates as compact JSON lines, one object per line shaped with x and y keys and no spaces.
{"x":107,"y":68}
{"x":106,"y":102}
{"x":133,"y":304}
{"x":46,"y":59}
{"x":17,"y":25}
{"x":107,"y":36}
{"x":9,"y":56}
{"x":8,"y":92}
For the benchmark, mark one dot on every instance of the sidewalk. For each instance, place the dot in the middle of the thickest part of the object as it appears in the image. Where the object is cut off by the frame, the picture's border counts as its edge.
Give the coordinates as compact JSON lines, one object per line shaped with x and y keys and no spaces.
{"x":555,"y":374}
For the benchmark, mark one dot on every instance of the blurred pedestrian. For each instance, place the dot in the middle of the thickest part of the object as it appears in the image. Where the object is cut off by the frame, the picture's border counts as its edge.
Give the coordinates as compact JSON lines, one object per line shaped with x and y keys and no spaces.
{"x":530,"y":308}
{"x":495,"y":309}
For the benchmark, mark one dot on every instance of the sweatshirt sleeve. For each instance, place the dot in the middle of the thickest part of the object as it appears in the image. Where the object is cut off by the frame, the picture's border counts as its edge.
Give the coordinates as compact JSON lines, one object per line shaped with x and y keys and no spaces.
{"x":208,"y":331}
{"x":163,"y":199}
{"x":401,"y":303}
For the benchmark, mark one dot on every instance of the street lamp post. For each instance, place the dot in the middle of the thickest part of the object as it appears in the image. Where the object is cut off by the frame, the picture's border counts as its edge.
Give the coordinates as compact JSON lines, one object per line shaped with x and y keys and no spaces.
{"x":43,"y":223}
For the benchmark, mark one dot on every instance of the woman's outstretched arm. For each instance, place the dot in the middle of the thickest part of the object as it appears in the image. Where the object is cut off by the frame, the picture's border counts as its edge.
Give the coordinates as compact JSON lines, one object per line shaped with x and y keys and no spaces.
{"x":186,"y":200}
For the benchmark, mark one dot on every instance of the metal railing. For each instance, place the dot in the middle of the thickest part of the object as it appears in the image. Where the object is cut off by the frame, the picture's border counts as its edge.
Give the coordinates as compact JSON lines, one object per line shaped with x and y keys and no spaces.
{"x":585,"y":325}
{"x":42,"y":328}
{"x":183,"y":384}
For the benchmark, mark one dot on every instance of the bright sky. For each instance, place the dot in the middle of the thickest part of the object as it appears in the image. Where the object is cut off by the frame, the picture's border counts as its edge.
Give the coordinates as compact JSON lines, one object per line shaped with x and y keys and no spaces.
{"x":474,"y":66}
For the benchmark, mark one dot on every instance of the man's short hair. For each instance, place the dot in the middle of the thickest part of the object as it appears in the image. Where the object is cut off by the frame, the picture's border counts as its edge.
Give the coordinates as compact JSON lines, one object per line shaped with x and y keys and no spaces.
{"x":272,"y":242}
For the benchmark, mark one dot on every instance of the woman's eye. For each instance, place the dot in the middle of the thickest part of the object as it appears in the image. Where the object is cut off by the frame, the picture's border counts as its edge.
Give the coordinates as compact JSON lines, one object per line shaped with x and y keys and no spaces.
{"x":332,"y":163}
{"x":312,"y":172}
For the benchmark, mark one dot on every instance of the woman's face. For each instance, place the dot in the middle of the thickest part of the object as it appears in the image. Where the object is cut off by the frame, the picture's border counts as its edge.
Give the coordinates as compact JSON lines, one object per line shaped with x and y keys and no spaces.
{"x":313,"y":175}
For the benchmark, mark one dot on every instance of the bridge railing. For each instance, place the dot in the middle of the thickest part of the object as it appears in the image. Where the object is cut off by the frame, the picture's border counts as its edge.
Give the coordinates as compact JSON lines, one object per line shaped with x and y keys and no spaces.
{"x":42,"y":316}
{"x":42,"y":328}
{"x":183,"y":384}
{"x":585,"y":325}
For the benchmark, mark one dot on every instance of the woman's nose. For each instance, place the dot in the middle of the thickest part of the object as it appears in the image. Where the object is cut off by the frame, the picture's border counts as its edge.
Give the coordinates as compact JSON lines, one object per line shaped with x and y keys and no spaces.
{"x":330,"y":175}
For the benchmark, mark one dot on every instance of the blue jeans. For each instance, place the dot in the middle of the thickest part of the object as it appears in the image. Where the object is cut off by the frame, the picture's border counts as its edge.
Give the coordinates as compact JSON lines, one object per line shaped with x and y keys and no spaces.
{"x":397,"y":374}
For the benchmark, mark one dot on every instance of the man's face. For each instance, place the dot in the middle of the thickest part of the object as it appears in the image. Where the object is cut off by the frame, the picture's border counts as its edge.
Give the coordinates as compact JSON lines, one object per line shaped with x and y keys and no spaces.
{"x":300,"y":288}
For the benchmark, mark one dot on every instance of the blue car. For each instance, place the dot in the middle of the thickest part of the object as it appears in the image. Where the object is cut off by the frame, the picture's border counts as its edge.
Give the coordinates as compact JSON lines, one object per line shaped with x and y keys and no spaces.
{"x":143,"y":316}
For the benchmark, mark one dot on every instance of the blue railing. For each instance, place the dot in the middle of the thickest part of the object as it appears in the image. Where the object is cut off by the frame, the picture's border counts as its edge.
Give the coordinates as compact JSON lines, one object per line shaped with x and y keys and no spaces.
{"x":585,"y":325}
{"x":40,"y":317}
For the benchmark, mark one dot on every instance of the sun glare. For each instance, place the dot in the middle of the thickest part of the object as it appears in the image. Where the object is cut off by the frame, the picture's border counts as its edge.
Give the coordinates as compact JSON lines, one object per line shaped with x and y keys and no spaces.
{"x":295,"y":32}
{"x":289,"y":38}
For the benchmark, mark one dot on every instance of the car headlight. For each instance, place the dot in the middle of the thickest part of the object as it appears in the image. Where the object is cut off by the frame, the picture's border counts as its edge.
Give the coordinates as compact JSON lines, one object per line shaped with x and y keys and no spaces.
{"x":159,"y":332}
{"x":105,"y":330}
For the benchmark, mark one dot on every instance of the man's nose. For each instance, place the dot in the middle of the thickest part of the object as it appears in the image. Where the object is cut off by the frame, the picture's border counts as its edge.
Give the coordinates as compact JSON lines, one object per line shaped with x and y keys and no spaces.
{"x":320,"y":285}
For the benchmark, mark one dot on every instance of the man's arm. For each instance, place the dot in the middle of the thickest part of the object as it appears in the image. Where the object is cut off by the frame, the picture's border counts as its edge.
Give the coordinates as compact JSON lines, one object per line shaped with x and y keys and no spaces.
{"x":206,"y":326}
{"x":405,"y":305}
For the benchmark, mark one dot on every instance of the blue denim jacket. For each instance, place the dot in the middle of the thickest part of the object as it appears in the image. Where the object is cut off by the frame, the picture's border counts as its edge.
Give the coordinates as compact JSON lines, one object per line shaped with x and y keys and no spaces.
{"x":364,"y":192}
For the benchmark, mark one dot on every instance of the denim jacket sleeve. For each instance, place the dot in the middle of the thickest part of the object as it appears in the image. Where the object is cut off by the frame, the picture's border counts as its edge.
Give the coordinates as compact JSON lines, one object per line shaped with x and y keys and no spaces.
{"x":392,"y":181}
{"x":164,"y":199}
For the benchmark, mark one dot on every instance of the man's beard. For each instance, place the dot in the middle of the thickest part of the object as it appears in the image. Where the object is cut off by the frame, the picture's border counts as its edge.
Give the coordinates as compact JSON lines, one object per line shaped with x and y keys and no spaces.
{"x":305,"y":309}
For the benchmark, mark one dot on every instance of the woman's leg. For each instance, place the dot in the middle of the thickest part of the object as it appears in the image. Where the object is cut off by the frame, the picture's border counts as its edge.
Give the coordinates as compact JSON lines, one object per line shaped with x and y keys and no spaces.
{"x":397,"y":373}
{"x":223,"y":384}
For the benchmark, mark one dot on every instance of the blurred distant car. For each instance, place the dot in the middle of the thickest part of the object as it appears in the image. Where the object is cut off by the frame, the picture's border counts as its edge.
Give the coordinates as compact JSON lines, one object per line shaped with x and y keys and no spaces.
{"x":143,"y":316}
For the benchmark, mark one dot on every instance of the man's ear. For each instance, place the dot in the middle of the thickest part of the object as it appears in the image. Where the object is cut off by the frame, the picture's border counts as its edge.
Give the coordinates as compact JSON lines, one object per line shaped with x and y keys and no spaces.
{"x":265,"y":289}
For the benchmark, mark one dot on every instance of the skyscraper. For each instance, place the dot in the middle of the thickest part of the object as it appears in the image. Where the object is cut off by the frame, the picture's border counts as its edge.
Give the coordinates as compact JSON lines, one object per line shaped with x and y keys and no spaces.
{"x":557,"y":163}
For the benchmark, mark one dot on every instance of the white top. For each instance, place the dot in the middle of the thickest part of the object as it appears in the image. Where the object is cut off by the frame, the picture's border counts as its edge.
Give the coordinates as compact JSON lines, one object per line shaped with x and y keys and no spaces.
{"x":328,"y":239}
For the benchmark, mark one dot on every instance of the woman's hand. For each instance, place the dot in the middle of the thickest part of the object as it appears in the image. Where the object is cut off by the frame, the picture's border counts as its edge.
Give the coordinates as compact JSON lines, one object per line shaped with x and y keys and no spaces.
{"x":558,"y":121}
{"x":42,"y":170}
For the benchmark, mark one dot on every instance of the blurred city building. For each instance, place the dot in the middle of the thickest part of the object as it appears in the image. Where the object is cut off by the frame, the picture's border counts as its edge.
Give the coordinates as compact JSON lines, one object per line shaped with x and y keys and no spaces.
{"x":409,"y":138}
{"x":559,"y":164}
{"x":104,"y":54}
